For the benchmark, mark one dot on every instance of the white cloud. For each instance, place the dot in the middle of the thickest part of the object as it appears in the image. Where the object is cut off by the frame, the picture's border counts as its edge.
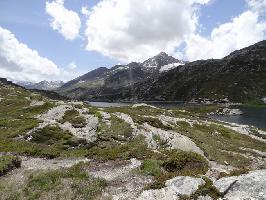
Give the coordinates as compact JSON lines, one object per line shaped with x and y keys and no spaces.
{"x":132,"y":30}
{"x":242,"y":31}
{"x":19,"y":62}
{"x":72,"y":65}
{"x":66,"y":22}
{"x":85,"y":11}
{"x":257,"y":6}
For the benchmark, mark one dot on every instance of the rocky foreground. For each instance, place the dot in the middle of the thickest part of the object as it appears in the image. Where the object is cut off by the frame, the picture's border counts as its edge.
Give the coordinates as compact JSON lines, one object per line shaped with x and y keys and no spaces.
{"x":70,"y":150}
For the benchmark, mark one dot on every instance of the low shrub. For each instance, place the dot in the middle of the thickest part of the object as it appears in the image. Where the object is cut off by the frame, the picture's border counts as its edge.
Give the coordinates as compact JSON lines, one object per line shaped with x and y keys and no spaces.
{"x":8,"y":163}
{"x":185,"y":163}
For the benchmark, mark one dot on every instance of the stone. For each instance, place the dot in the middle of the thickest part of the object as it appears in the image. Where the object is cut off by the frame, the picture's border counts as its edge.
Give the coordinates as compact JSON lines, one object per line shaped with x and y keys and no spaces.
{"x":247,"y":186}
{"x":181,"y":185}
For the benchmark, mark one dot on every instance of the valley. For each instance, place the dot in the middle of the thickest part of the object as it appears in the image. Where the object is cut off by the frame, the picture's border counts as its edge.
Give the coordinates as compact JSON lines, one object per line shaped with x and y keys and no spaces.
{"x":65,"y":149}
{"x":132,"y":100}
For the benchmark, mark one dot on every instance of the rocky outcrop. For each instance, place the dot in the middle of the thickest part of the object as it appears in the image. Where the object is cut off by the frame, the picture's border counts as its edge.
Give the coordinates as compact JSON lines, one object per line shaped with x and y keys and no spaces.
{"x":122,"y":182}
{"x":228,"y":111}
{"x":173,"y":140}
{"x":247,"y":186}
{"x":53,"y":116}
{"x":182,"y":185}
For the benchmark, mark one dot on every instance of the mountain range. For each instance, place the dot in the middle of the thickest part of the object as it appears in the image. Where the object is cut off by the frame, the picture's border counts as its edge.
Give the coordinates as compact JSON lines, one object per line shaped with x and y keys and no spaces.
{"x":238,"y":77}
{"x":43,"y":85}
{"x":103,"y":82}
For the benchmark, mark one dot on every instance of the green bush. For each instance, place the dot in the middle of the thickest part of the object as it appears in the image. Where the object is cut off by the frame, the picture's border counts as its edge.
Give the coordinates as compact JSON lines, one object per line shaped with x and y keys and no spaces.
{"x":151,"y":167}
{"x":50,"y":135}
{"x":73,"y":117}
{"x":8,"y":163}
{"x":185,"y":163}
{"x":135,"y":148}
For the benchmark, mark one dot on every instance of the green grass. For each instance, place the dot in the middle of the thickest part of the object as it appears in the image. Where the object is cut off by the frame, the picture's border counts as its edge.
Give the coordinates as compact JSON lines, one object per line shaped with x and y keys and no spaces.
{"x":27,"y":148}
{"x":50,"y":135}
{"x":185,"y":163}
{"x":207,"y":189}
{"x":201,"y":110}
{"x":35,"y":110}
{"x":71,"y":183}
{"x":162,"y":144}
{"x":112,"y":150}
{"x":235,"y":172}
{"x":10,"y":128}
{"x":17,"y":117}
{"x":73,"y":117}
{"x":176,"y":163}
{"x":218,"y":142}
{"x":119,"y":130}
{"x":8,"y":163}
{"x":155,"y":122}
{"x":136,"y":113}
{"x":151,"y":167}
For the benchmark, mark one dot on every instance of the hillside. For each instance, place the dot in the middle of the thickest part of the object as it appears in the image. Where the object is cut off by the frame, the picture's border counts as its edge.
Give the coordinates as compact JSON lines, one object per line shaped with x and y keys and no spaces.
{"x":109,"y":82}
{"x":240,"y":77}
{"x":70,"y":150}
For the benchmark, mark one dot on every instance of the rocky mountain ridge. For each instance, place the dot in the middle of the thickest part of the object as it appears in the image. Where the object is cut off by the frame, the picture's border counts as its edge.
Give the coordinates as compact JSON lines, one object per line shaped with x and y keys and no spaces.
{"x":238,"y":77}
{"x":43,"y":85}
{"x":106,"y":81}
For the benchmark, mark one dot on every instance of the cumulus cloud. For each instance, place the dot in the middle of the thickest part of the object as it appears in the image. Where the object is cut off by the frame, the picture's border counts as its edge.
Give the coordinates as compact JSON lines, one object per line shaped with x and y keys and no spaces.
{"x":20,"y":63}
{"x":66,"y":22}
{"x":258,"y":6}
{"x":242,"y":31}
{"x":133,"y":30}
{"x":72,"y":65}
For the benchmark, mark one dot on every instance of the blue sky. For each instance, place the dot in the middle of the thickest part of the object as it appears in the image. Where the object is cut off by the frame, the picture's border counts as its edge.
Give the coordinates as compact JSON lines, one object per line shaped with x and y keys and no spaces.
{"x":219,"y":12}
{"x":30,"y":23}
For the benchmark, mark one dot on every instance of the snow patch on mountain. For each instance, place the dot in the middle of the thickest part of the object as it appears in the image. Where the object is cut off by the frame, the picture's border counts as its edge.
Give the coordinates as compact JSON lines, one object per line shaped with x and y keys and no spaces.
{"x":170,"y":66}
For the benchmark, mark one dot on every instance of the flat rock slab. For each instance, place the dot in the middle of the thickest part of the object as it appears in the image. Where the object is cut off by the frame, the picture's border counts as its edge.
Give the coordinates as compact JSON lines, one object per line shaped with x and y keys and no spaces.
{"x":49,"y":164}
{"x":248,"y":186}
{"x":181,"y":185}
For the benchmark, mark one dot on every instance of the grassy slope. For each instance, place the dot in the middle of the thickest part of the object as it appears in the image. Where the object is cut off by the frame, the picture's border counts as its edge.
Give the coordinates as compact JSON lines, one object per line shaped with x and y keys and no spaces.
{"x":17,"y":118}
{"x":114,"y":142}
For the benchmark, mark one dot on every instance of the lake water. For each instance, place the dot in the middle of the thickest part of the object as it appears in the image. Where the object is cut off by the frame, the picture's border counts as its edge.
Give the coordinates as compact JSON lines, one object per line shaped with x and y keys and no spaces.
{"x":252,"y":115}
{"x":168,"y":105}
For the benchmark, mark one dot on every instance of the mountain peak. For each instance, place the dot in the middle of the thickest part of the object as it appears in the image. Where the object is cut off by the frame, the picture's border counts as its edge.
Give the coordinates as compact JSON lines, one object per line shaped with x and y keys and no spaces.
{"x":162,"y":54}
{"x":159,"y":60}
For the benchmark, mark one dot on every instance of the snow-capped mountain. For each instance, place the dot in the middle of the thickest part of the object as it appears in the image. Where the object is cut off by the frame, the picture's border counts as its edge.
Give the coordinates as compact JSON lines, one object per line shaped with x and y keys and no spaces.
{"x":43,"y":85}
{"x":119,"y":76}
{"x":240,"y":77}
{"x":162,"y":59}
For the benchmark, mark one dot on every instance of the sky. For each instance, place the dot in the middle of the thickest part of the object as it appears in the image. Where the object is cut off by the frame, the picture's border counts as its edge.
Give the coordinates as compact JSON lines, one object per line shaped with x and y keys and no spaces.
{"x":63,"y":39}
